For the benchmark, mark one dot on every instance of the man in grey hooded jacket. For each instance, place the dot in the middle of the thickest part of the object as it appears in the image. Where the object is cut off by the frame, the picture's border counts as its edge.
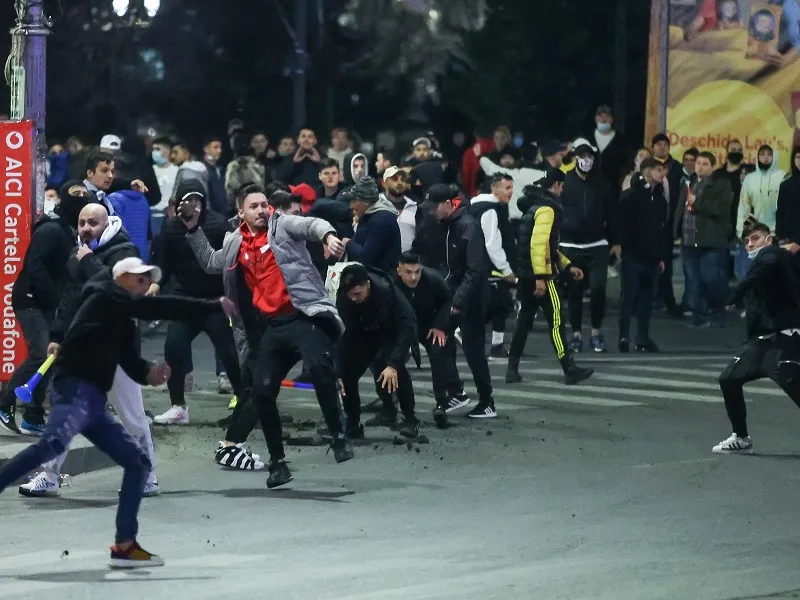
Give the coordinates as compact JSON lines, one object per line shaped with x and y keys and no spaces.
{"x":284,"y":313}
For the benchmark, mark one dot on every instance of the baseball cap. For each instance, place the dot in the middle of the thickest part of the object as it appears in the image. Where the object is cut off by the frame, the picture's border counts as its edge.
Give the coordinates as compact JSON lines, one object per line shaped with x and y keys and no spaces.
{"x":438,"y":193}
{"x":135,"y":266}
{"x":582,"y":145}
{"x":391,"y":172}
{"x":422,"y":140}
{"x":603,"y":109}
{"x":110,"y":142}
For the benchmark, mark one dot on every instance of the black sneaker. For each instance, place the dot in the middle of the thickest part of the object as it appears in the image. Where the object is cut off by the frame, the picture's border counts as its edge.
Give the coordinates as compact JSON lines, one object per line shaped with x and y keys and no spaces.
{"x":483,"y":410}
{"x":576,"y":374}
{"x":499,"y":351}
{"x":342,"y":451}
{"x":382,"y":420}
{"x":624,"y":346}
{"x":648,"y":346}
{"x":355,"y":432}
{"x":440,"y":415}
{"x":456,"y":401}
{"x":374,"y":406}
{"x":409,"y":428}
{"x":279,"y":474}
{"x":7,"y":420}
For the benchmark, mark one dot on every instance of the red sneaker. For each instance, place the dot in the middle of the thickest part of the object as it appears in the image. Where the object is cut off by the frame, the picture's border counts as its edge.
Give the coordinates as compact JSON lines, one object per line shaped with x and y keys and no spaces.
{"x":135,"y":557}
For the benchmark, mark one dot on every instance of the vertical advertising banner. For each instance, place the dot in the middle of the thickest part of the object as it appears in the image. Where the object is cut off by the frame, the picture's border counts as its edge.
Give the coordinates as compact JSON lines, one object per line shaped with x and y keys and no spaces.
{"x":16,"y":158}
{"x":734,"y":72}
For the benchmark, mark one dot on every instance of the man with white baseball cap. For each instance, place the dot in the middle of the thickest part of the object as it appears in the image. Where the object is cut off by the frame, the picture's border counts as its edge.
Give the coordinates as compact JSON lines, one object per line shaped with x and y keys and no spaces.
{"x":110,"y":143}
{"x":135,"y":266}
{"x":395,"y":186}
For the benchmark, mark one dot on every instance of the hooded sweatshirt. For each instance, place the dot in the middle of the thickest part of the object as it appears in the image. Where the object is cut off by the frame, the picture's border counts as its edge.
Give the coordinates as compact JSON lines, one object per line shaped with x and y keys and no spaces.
{"x":377,"y":240}
{"x":104,"y":333}
{"x":348,"y":168}
{"x":113,"y":245}
{"x":175,"y":257}
{"x":132,"y":208}
{"x":787,"y":217}
{"x":406,"y":220}
{"x":522,"y":178}
{"x":493,"y":217}
{"x":759,"y":195}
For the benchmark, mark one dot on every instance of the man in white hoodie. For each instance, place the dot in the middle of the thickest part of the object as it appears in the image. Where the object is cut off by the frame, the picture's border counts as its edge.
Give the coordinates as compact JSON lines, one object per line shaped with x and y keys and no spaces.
{"x":395,"y":186}
{"x":492,"y":211}
{"x":759,"y":197}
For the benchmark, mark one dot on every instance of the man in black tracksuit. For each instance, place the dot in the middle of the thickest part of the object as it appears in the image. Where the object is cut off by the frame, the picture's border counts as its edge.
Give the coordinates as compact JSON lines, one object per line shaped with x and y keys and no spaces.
{"x":380,"y":327}
{"x":646,"y":247}
{"x":771,"y":296}
{"x":588,"y":229}
{"x":539,"y":265}
{"x":429,"y":296}
{"x":175,"y":257}
{"x":35,"y":297}
{"x":468,"y":272}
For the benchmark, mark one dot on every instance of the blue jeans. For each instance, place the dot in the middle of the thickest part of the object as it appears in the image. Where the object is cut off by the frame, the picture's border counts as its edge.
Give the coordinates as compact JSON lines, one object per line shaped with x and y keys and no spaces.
{"x":741,"y":262}
{"x":79,"y":407}
{"x":705,"y":272}
{"x":639,"y":281}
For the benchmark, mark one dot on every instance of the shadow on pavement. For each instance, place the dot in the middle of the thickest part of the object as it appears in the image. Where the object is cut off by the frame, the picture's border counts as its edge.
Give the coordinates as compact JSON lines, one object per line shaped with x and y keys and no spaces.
{"x":62,"y":503}
{"x":283,"y":494}
{"x":789,"y":456}
{"x":100,"y":576}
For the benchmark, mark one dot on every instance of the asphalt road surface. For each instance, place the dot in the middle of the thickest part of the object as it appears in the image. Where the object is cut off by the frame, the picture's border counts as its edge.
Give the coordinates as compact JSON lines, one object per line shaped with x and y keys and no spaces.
{"x":607,"y":490}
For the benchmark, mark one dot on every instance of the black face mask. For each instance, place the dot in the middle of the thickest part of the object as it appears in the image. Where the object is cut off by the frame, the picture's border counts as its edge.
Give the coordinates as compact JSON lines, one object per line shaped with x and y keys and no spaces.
{"x":764,"y":166}
{"x":735,"y":157}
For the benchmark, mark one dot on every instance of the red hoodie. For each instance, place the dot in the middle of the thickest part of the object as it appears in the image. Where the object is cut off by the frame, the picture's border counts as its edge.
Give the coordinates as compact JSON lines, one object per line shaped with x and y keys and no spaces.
{"x":470,"y":164}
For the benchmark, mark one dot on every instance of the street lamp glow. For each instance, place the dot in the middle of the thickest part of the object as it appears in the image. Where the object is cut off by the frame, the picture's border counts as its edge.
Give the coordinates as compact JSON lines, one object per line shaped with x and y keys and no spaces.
{"x":120,"y":7}
{"x":152,"y":6}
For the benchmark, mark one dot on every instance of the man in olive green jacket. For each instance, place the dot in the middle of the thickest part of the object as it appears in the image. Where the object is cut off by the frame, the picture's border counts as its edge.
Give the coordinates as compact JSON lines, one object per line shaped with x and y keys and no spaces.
{"x":703,"y":226}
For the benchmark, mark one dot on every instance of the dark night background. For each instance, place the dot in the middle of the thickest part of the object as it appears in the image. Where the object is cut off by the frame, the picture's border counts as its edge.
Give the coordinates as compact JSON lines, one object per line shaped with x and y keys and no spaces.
{"x":540,"y":66}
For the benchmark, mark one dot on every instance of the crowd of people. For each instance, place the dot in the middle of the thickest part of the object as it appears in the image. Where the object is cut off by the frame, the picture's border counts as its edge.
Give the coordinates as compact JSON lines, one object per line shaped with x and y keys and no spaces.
{"x":347,"y":261}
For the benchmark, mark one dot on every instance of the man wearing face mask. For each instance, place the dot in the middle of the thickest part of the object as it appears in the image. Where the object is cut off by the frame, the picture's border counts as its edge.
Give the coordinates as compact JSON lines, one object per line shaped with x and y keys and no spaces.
{"x":35,"y":297}
{"x":759,"y":197}
{"x":771,"y":295}
{"x":611,"y":146}
{"x":165,"y":171}
{"x":589,"y":227}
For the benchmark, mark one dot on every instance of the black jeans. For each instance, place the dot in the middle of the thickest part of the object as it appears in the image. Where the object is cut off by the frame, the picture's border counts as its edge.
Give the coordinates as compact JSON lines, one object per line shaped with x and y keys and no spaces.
{"x":594,"y":264}
{"x":35,"y":326}
{"x":501,"y":305}
{"x":178,"y":351}
{"x":472,"y":322}
{"x":357,"y":353}
{"x":245,"y":416}
{"x":777,"y":357}
{"x":639,"y":281}
{"x":665,"y":290}
{"x":285,"y":342}
{"x":444,"y":373}
{"x":550,"y":303}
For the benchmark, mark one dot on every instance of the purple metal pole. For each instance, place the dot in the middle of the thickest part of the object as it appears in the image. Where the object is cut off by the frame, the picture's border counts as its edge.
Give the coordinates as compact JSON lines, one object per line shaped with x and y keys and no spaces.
{"x":35,"y":28}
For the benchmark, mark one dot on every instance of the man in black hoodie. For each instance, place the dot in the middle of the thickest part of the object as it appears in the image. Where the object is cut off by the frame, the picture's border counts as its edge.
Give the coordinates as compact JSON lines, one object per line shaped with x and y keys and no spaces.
{"x":787,"y":217}
{"x":175,"y":257}
{"x":468,"y":280}
{"x":771,"y":296}
{"x":427,"y":292}
{"x":102,"y":337}
{"x":35,"y":297}
{"x":380,"y":327}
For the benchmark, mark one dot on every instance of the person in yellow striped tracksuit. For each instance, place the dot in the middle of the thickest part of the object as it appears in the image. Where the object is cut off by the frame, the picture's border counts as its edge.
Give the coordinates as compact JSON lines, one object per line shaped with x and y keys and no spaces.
{"x":538,"y":265}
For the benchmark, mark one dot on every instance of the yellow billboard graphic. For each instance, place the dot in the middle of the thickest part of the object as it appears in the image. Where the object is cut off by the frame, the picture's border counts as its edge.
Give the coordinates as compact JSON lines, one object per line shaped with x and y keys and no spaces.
{"x":732,"y":71}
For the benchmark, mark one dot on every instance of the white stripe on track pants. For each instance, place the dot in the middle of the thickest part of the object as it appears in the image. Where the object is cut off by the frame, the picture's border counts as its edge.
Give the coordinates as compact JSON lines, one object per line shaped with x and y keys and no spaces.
{"x":126,"y":398}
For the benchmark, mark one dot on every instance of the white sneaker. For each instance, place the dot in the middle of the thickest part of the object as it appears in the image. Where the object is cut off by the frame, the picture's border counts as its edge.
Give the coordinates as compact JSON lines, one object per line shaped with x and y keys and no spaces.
{"x":42,"y":485}
{"x":151,"y":487}
{"x":224,"y":384}
{"x":176,"y":415}
{"x":733,"y":445}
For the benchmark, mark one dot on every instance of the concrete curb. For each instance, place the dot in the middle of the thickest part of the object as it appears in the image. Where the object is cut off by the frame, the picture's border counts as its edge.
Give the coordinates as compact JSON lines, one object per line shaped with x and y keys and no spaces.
{"x":82,"y":457}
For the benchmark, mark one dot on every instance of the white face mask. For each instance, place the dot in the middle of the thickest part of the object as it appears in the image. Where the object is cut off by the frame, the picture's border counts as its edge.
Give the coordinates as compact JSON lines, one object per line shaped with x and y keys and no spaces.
{"x":586,"y":164}
{"x":753,"y":253}
{"x":604,"y":127}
